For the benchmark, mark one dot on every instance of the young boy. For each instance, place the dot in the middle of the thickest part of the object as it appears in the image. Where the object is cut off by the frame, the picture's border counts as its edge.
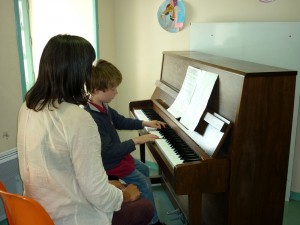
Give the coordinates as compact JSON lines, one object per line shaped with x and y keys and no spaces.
{"x":116,"y":154}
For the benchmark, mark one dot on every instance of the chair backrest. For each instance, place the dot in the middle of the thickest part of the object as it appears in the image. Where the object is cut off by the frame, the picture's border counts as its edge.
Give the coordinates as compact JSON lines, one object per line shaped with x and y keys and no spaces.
{"x":22,"y":210}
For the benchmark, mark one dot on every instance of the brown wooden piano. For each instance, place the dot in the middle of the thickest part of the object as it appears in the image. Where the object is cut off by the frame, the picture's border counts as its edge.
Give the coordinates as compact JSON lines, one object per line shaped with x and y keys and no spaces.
{"x":242,"y":181}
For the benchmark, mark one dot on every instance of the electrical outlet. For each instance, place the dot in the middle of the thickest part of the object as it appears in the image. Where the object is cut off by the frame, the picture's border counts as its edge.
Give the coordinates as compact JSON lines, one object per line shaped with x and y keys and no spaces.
{"x":5,"y":135}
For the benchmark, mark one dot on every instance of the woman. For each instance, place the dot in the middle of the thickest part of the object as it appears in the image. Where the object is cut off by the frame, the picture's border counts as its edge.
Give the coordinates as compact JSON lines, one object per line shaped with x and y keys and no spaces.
{"x":59,"y":144}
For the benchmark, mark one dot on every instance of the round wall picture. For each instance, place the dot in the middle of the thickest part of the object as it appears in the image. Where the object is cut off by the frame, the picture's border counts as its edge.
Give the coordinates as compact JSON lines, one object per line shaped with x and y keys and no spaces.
{"x":171,"y":15}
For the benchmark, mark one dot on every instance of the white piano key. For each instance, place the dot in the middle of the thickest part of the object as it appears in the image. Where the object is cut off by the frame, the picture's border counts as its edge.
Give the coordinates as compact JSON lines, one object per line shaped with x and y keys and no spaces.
{"x":165,"y":148}
{"x":140,"y":115}
{"x":150,"y":129}
{"x":157,"y":133}
{"x":168,"y":152}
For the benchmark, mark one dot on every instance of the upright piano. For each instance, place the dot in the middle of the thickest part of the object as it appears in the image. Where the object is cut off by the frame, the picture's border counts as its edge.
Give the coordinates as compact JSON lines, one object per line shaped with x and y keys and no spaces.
{"x":242,"y":181}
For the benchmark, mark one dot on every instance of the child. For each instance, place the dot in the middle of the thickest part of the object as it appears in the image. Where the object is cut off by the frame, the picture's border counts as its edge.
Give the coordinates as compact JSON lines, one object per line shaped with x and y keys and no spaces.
{"x":116,"y":154}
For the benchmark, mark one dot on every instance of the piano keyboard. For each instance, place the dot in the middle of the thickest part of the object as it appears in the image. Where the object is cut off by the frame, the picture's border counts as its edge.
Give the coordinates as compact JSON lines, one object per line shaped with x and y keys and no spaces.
{"x":170,"y":144}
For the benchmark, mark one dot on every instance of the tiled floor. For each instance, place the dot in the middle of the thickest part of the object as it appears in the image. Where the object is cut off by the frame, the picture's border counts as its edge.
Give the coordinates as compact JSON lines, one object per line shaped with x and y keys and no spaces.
{"x":164,"y":205}
{"x":291,"y":210}
{"x":291,"y":213}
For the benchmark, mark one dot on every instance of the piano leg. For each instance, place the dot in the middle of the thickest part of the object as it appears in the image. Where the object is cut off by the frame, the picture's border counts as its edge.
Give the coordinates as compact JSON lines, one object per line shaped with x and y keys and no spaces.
{"x":154,"y":179}
{"x":142,"y":153}
{"x":195,"y":200}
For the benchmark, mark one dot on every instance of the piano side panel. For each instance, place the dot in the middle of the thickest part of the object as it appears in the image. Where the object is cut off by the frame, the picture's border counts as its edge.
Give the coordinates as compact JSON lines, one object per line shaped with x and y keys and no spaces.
{"x":260,"y":150}
{"x":215,"y":208}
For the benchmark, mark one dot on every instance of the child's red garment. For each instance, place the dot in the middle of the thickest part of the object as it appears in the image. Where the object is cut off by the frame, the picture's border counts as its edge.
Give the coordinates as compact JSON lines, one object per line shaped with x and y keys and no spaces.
{"x":124,"y":168}
{"x":116,"y":156}
{"x":101,"y":108}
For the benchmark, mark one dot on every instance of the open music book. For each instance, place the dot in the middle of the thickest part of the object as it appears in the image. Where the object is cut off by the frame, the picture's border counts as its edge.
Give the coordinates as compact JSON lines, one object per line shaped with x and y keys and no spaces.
{"x":193,"y":96}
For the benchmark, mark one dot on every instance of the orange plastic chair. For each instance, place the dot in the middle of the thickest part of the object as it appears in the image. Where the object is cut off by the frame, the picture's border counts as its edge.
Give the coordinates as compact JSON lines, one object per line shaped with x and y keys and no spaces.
{"x":22,"y":210}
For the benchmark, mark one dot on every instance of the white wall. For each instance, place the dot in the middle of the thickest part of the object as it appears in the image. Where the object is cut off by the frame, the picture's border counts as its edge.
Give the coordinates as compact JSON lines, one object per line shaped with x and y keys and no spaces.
{"x":10,"y":91}
{"x":106,"y":22}
{"x":256,"y":42}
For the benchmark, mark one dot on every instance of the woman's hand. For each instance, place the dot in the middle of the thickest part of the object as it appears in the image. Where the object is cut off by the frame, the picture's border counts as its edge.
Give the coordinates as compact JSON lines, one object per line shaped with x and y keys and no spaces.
{"x":131,"y":193}
{"x":117,"y":184}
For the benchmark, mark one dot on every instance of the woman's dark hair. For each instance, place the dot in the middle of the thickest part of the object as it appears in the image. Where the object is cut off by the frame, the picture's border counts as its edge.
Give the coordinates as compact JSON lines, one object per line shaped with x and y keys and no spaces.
{"x":65,"y":68}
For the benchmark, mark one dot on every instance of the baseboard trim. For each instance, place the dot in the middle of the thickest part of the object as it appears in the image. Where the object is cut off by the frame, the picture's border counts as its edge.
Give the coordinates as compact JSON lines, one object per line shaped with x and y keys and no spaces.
{"x":295,"y":196}
{"x":2,"y":218}
{"x":152,"y":165}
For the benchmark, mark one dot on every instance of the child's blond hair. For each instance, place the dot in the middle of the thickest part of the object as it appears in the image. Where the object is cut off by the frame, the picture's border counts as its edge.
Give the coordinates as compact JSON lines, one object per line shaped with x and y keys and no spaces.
{"x":105,"y":76}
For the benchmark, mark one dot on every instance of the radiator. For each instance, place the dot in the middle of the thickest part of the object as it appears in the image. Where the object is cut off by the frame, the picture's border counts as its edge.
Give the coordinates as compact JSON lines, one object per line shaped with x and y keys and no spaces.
{"x":9,"y":175}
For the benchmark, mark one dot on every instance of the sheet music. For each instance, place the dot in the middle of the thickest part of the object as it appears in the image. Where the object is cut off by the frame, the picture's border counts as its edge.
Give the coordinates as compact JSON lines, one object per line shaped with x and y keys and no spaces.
{"x":210,"y":142}
{"x":198,"y":103}
{"x":177,"y":109}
